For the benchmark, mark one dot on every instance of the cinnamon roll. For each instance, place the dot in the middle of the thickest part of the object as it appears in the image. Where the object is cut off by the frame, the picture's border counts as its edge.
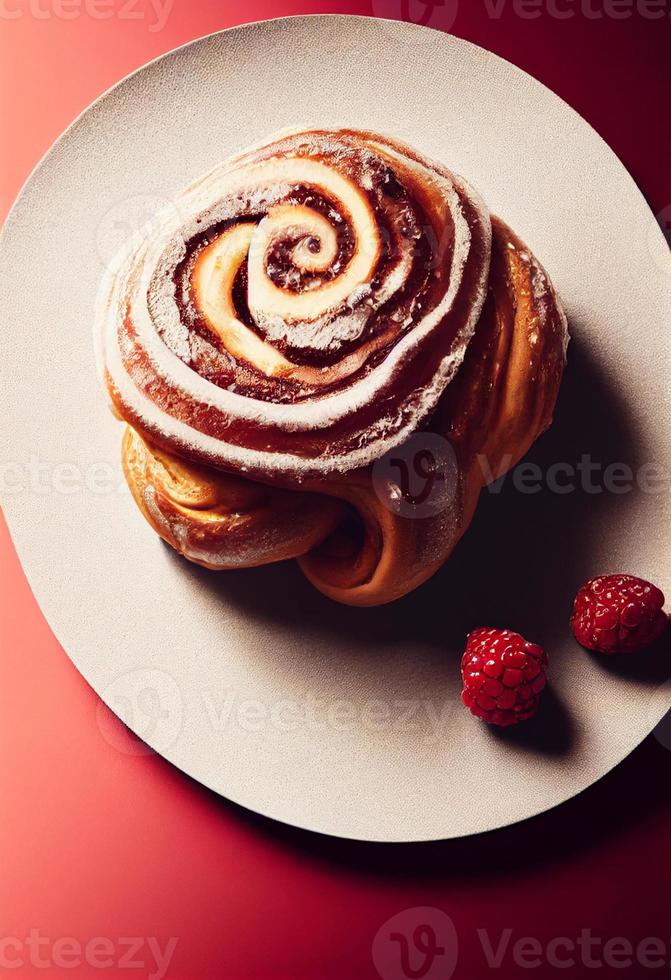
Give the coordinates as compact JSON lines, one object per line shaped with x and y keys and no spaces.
{"x":309,"y":313}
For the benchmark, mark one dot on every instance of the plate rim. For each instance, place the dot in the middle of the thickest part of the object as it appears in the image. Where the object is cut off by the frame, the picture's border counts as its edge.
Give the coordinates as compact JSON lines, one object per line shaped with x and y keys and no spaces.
{"x":70,"y":129}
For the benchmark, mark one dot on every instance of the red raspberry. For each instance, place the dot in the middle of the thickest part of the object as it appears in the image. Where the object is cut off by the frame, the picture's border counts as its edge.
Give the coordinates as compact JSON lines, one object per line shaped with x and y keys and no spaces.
{"x":503,"y":676}
{"x":618,"y":614}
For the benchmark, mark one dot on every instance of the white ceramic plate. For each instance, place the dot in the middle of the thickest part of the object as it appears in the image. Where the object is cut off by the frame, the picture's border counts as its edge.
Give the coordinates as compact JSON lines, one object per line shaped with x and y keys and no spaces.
{"x":341,"y":720}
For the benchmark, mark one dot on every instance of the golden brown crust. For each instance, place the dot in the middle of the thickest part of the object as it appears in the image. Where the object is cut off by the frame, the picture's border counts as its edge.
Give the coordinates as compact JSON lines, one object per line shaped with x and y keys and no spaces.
{"x":350,"y":543}
{"x":222,"y":521}
{"x":300,"y":310}
{"x":504,"y":395}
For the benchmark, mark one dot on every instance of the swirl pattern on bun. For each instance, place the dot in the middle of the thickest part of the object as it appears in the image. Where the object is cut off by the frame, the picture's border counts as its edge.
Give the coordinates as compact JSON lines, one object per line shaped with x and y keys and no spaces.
{"x":304,"y":309}
{"x":301,"y":309}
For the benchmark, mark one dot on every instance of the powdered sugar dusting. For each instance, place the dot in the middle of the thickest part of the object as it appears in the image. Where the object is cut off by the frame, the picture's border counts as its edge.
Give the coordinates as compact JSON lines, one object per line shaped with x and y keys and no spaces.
{"x":142,"y":280}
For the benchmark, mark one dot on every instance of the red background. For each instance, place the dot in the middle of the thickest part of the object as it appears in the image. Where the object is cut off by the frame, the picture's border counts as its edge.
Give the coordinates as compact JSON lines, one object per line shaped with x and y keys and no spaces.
{"x":97,"y":842}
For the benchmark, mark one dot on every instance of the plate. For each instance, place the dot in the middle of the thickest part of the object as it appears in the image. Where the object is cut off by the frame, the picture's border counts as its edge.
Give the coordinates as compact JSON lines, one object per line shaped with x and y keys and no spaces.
{"x":346,"y":721}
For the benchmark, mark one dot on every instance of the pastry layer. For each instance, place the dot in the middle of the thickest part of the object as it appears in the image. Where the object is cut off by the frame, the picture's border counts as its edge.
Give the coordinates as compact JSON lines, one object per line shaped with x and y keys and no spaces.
{"x":300,"y":310}
{"x":322,"y":494}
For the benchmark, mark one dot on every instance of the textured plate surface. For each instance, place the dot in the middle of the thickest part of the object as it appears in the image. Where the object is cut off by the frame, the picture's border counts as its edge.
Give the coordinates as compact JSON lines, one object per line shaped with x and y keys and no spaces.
{"x":341,"y":720}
